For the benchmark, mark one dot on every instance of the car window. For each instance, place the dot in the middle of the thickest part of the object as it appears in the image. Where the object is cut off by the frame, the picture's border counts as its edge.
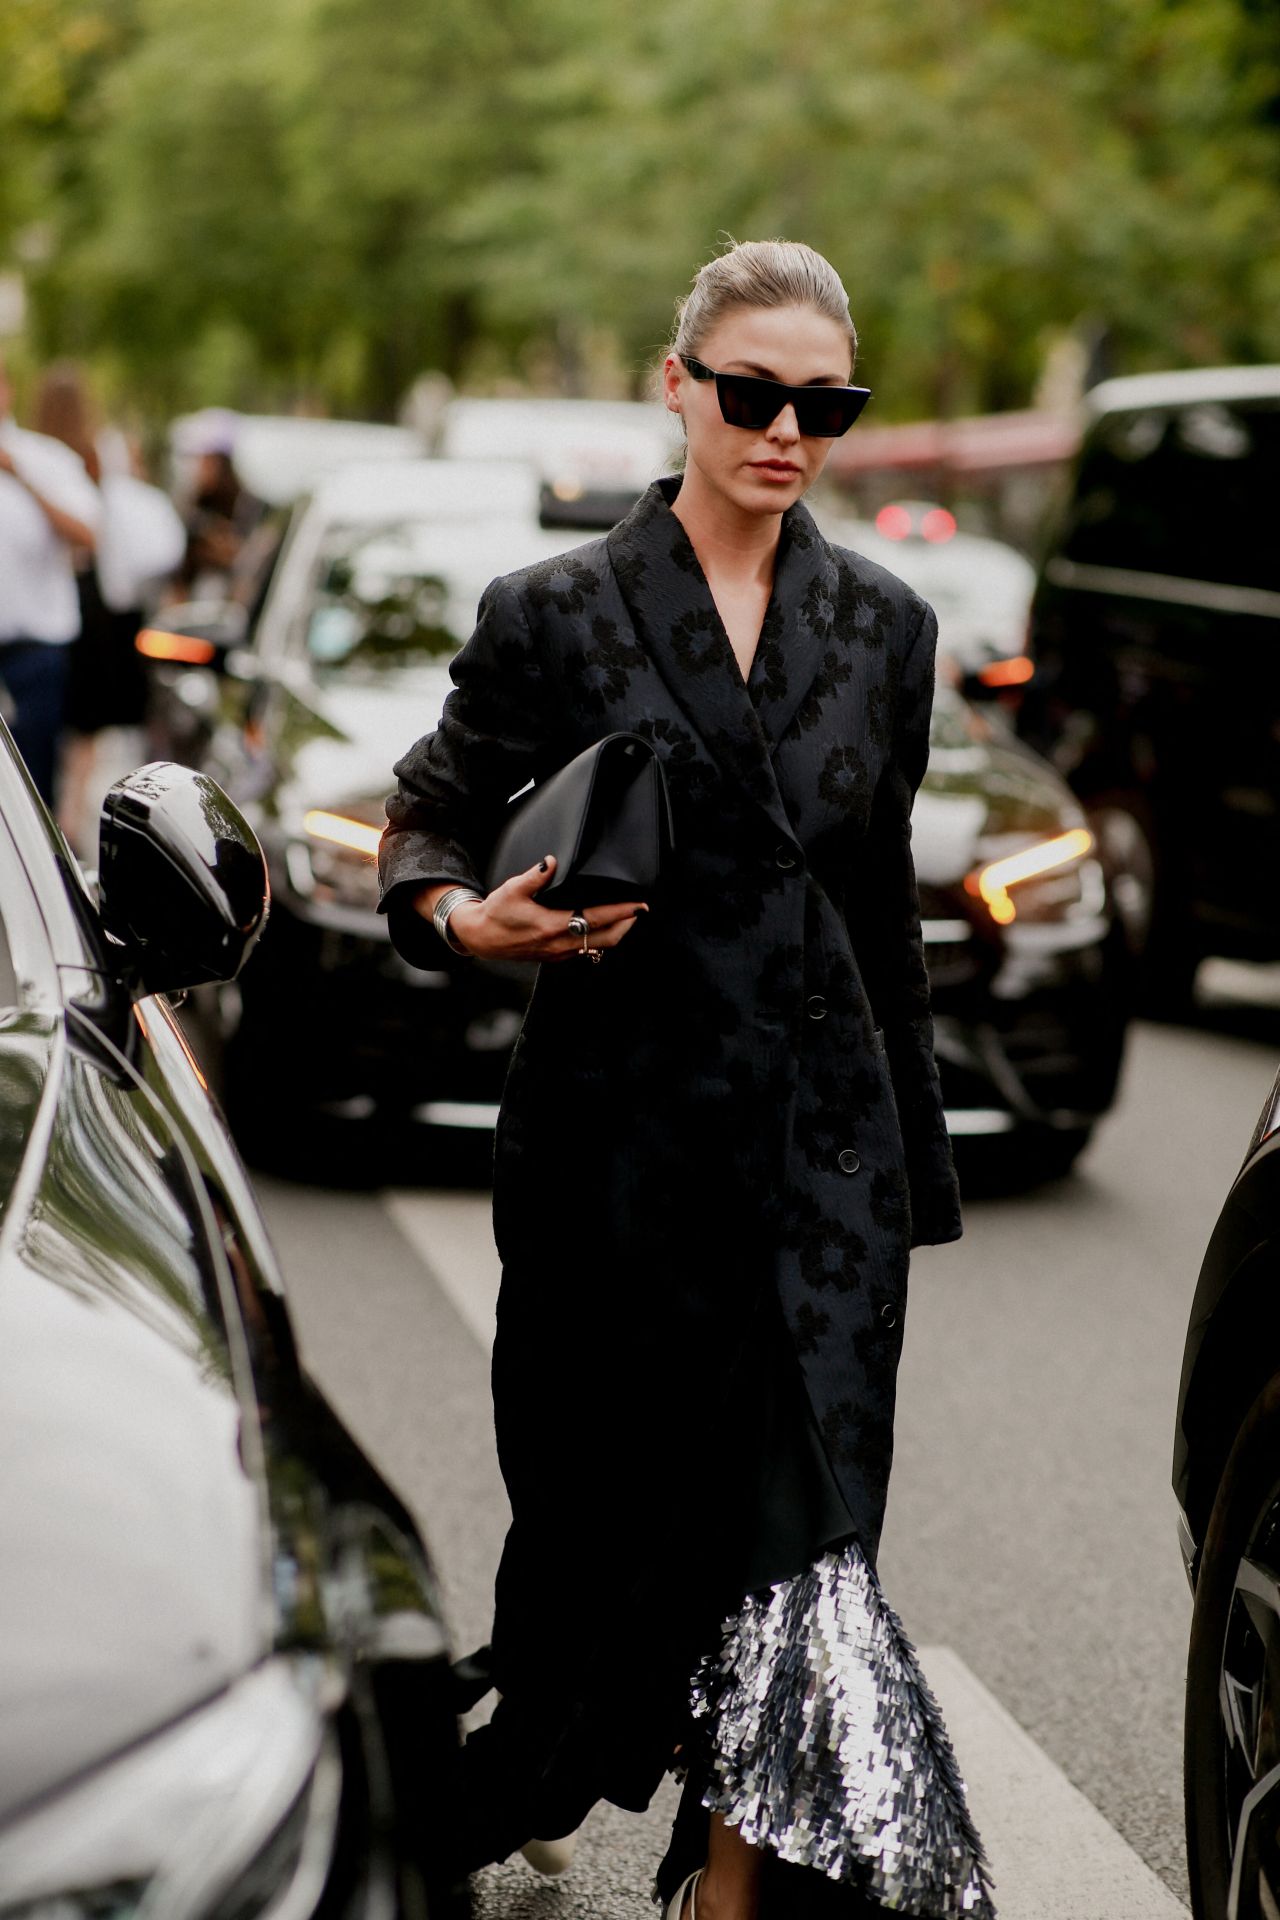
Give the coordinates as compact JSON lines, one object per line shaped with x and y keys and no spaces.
{"x":404,"y":593}
{"x":1187,"y":491}
{"x":26,"y":965}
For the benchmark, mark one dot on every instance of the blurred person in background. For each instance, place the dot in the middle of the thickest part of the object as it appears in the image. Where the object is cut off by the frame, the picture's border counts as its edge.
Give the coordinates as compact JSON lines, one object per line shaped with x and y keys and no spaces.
{"x":140,"y":540}
{"x":49,"y":518}
{"x":220,"y":516}
{"x":718,"y":1142}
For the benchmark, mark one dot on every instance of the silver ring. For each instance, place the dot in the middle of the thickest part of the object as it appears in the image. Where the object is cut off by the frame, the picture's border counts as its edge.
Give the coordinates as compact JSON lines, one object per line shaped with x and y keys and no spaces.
{"x":578,"y":925}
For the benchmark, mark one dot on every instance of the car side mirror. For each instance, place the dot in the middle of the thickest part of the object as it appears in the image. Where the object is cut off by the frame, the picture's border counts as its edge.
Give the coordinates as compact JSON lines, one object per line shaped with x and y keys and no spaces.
{"x":182,"y":883}
{"x":197,"y":633}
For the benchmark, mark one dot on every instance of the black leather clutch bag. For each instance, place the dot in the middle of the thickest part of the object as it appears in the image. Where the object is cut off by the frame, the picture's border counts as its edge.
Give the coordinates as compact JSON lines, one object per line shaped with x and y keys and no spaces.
{"x":607,"y":819}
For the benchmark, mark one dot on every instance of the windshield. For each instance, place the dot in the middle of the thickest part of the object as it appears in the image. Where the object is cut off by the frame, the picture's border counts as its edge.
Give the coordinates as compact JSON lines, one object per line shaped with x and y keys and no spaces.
{"x":1188,"y":491}
{"x":403,"y":594}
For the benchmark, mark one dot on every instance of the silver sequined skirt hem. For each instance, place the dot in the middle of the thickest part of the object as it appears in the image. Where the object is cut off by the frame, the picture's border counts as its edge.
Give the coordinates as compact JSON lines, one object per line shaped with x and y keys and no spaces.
{"x":825,"y":1744}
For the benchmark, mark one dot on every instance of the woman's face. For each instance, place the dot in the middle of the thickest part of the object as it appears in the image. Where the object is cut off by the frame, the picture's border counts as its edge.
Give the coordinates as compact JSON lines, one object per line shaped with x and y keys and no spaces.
{"x":760,"y":470}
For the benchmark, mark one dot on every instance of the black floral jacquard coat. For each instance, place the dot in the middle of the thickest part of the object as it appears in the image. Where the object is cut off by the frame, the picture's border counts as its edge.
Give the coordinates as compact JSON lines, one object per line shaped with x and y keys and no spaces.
{"x":736,"y":1110}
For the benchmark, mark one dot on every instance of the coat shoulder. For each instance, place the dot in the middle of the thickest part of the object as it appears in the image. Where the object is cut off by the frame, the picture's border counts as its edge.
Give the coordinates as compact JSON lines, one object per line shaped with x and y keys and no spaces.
{"x":860,"y":572}
{"x":562,"y":583}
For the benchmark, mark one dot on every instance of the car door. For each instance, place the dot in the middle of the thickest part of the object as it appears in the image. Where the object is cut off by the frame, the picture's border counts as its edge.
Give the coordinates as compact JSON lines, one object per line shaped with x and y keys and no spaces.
{"x":224,"y":1511}
{"x":130,"y":1517}
{"x":347,"y":1573}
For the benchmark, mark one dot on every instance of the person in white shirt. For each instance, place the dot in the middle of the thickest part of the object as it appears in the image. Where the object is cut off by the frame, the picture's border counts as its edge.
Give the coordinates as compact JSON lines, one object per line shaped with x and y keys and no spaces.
{"x":49,"y":507}
{"x":141,"y":538}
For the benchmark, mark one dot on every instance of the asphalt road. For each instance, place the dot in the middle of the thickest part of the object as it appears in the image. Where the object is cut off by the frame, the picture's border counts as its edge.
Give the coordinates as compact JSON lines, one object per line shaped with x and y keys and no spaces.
{"x":1030,"y":1536}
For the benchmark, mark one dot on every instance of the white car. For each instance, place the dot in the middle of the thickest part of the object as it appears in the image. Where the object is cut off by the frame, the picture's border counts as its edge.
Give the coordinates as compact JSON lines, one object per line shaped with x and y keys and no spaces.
{"x":576,"y":447}
{"x":979,"y":588}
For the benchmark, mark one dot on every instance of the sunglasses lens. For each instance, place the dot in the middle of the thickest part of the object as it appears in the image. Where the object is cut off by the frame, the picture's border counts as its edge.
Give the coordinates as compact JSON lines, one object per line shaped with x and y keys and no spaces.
{"x":827,"y":415}
{"x":822,"y":414}
{"x":745,"y":402}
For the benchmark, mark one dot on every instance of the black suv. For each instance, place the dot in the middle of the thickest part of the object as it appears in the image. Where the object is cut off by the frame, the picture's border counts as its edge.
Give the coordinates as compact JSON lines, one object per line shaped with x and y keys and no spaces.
{"x":1157,"y":681}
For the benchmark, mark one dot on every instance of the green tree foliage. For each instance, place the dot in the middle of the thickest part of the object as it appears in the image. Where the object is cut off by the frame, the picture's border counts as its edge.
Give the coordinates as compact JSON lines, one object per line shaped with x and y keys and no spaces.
{"x":326,"y":197}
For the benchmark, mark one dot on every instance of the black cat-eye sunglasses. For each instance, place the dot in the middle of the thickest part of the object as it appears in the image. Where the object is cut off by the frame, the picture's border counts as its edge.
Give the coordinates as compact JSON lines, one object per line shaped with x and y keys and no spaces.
{"x":824,"y":413}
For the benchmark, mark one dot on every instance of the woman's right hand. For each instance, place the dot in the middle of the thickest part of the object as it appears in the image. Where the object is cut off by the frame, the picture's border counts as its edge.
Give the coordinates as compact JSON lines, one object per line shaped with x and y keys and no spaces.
{"x":509,"y":924}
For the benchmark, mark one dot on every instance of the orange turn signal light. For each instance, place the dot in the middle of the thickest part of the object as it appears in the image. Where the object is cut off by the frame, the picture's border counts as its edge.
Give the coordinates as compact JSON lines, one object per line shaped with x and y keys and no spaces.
{"x":1014,"y":672}
{"x":992,"y":883}
{"x":344,"y":832}
{"x":183,"y":647}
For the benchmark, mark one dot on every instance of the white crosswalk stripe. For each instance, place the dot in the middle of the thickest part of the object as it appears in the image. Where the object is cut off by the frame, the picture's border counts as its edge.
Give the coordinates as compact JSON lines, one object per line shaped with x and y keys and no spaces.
{"x":451,"y":1234}
{"x":1053,"y":1855}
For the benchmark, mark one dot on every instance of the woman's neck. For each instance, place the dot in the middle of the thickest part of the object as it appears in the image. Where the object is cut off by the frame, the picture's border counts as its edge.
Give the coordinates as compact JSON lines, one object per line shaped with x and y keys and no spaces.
{"x":729,"y":543}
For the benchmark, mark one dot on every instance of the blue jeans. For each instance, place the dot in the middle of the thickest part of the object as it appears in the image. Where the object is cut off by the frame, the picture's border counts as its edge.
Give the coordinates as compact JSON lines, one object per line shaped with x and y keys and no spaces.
{"x":35,"y":675}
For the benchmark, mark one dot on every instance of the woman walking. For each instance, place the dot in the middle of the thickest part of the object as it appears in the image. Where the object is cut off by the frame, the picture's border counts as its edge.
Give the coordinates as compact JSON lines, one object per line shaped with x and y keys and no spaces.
{"x":716,"y":1147}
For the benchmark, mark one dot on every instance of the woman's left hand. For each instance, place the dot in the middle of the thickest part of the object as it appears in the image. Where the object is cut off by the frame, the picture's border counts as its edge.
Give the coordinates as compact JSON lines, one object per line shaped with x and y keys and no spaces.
{"x":510,"y":924}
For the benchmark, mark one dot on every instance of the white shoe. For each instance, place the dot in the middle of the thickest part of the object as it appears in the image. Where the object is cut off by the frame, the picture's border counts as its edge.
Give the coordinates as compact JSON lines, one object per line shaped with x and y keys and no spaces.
{"x":551,"y":1856}
{"x":690,"y":1886}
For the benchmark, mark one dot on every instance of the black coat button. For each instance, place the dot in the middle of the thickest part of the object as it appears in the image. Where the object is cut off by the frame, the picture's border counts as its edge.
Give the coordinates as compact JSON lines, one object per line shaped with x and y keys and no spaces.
{"x":785,"y":859}
{"x":889,"y":1315}
{"x":816,"y":1007}
{"x":849,"y":1161}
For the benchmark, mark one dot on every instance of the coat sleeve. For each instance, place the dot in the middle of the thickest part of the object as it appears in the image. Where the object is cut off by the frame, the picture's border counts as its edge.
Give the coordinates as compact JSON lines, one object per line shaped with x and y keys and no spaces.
{"x":891,"y":953}
{"x":454,"y":784}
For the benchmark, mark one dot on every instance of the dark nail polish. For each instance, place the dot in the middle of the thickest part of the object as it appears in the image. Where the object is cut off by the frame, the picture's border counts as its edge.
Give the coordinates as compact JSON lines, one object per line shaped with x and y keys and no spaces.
{"x":542,"y":866}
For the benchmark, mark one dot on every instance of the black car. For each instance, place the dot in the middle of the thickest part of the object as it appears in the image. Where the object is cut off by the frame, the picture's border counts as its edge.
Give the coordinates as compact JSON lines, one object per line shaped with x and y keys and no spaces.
{"x":1157,"y":677}
{"x":1029,"y":963}
{"x":224,"y":1685}
{"x":1226,"y":1475}
{"x":348,"y":662}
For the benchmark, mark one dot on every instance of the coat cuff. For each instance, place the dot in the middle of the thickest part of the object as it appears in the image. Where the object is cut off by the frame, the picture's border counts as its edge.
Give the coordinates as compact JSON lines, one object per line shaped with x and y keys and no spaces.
{"x":408,"y":857}
{"x":413,"y":937}
{"x":931,"y":1177}
{"x":935,"y":1208}
{"x":407,"y":862}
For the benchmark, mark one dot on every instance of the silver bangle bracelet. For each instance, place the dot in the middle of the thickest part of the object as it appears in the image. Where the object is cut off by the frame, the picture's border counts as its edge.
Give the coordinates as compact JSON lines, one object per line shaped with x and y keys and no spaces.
{"x":444,"y":906}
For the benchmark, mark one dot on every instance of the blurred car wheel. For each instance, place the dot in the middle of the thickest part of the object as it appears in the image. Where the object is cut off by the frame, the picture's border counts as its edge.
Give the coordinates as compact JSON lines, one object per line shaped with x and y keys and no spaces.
{"x":1151,"y":906}
{"x":1232,"y":1726}
{"x":1049,"y":1156}
{"x":275,"y":1128}
{"x":1006,"y":1165}
{"x":1124,"y":848}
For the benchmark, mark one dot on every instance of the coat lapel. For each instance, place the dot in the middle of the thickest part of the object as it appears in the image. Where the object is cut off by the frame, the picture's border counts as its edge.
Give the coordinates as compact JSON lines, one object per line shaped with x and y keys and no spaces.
{"x":799,"y":627}
{"x":668,"y":598}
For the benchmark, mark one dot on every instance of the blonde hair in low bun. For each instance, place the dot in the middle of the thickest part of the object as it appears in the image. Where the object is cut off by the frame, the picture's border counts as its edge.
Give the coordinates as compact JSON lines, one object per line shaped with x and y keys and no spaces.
{"x":761,"y":273}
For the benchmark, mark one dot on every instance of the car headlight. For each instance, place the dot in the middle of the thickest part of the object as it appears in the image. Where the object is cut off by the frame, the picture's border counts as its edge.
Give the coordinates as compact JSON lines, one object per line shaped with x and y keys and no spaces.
{"x":1044,"y":878}
{"x":231,"y":1812}
{"x":334,"y":862}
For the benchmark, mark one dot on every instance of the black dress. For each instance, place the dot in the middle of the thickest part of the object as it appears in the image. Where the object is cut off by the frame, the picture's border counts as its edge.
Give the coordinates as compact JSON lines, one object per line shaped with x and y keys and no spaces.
{"x":108,"y":676}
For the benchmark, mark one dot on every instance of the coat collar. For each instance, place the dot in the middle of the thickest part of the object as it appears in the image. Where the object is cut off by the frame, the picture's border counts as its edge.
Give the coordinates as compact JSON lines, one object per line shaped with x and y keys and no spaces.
{"x":668,"y":598}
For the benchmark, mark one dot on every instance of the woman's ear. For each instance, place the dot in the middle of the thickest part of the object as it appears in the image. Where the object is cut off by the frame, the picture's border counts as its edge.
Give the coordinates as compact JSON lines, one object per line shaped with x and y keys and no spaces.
{"x":672,"y":375}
